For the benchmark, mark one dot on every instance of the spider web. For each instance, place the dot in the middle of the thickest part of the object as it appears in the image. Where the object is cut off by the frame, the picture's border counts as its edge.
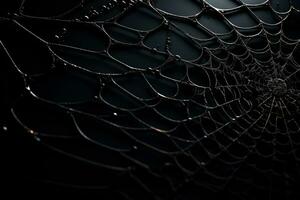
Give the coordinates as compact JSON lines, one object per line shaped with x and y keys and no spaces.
{"x":173,"y":100}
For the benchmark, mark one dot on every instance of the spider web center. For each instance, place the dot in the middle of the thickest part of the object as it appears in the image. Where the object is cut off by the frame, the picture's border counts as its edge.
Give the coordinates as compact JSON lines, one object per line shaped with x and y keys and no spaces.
{"x":277,"y":86}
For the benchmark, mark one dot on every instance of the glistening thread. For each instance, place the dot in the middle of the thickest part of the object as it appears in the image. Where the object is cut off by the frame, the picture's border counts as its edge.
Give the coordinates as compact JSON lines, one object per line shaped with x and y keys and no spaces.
{"x":160,"y":99}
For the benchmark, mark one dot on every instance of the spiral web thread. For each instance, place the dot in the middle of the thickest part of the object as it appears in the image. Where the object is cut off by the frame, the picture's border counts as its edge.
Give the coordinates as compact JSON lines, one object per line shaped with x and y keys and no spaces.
{"x":172,"y":101}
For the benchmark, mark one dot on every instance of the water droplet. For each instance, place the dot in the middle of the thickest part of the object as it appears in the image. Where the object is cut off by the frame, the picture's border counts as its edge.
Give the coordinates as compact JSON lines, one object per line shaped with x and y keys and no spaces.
{"x":64,"y":30}
{"x":95,"y":12}
{"x":37,"y":139}
{"x":156,"y":71}
{"x":115,"y":114}
{"x":178,"y":57}
{"x":5,"y":128}
{"x":135,"y":147}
